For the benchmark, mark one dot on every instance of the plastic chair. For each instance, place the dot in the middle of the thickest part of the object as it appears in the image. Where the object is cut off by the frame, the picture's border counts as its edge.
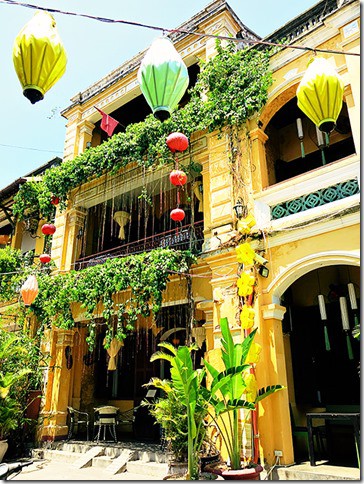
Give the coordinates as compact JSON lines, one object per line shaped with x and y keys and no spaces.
{"x":77,"y":418}
{"x":106,"y":418}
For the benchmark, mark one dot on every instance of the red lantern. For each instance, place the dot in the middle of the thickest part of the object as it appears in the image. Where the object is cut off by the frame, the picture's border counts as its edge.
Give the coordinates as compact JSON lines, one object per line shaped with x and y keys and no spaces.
{"x":177,"y":142}
{"x":177,"y":214}
{"x":45,"y":258}
{"x":178,"y":178}
{"x":48,"y":229}
{"x":54,"y":200}
{"x":29,"y":290}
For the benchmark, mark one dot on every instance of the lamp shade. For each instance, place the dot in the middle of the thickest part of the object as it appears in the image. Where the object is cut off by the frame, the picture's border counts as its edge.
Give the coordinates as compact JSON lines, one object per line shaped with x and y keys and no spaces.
{"x":320,"y":94}
{"x":29,"y":290}
{"x":163,"y":78}
{"x":39,"y":56}
{"x":45,"y":258}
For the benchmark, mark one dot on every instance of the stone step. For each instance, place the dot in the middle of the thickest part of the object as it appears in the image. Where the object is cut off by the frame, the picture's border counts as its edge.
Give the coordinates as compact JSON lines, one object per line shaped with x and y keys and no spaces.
{"x":305,"y":472}
{"x":86,"y":459}
{"x":102,"y":461}
{"x":154,"y":469}
{"x":119,"y":464}
{"x":57,"y":455}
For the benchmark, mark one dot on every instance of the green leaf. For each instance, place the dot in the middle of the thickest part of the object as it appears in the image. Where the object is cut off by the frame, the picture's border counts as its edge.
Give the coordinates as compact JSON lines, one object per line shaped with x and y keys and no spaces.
{"x":265,"y":392}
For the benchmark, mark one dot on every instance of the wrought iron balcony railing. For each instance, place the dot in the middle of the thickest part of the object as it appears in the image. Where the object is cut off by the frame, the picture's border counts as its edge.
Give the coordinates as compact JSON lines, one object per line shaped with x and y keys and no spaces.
{"x":182,"y":238}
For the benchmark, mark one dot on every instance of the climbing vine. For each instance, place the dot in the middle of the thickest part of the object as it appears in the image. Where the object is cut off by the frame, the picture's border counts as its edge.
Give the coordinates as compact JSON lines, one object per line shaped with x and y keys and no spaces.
{"x":231,"y":87}
{"x":145,"y":275}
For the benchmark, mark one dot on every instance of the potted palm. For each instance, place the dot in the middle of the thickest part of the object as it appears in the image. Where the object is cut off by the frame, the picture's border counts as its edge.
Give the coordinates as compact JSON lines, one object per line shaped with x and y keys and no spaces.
{"x":185,"y":388}
{"x":224,"y":399}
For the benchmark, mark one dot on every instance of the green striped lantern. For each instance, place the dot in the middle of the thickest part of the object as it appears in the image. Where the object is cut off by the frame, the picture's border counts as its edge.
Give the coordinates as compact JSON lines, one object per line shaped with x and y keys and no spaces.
{"x":163,"y":78}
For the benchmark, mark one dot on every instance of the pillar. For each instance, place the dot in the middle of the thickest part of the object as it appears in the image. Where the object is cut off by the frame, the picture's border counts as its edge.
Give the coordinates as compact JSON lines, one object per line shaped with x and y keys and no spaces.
{"x":85,"y":129}
{"x":260,"y":174}
{"x":274,"y":417}
{"x":59,"y":390}
{"x":75,"y":220}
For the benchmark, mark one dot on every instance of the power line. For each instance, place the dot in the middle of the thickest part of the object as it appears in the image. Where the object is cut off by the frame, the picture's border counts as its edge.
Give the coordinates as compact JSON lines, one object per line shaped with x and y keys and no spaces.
{"x":31,"y":149}
{"x":182,"y":31}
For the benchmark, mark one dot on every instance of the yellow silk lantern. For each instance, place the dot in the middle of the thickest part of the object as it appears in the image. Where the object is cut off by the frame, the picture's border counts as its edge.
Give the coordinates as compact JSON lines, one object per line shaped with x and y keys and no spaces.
{"x":29,"y":290}
{"x":320,"y":94}
{"x":39,"y":56}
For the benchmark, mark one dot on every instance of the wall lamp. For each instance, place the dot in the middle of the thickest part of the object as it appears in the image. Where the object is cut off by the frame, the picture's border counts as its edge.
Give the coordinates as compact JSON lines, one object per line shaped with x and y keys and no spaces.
{"x":240,"y":209}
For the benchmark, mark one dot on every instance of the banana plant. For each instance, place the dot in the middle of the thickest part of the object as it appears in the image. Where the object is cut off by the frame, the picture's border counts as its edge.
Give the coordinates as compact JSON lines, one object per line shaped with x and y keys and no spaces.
{"x":187,"y":383}
{"x":225,"y":394}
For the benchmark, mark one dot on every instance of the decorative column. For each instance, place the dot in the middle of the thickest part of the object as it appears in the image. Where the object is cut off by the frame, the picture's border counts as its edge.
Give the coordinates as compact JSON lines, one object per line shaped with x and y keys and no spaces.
{"x":75,"y":220}
{"x":59,"y":392}
{"x":260,"y":174}
{"x":274,"y":417}
{"x":85,"y":129}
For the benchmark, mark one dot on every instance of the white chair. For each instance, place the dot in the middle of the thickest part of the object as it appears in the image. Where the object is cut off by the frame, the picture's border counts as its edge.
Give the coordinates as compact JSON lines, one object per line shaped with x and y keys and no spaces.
{"x":106,"y":417}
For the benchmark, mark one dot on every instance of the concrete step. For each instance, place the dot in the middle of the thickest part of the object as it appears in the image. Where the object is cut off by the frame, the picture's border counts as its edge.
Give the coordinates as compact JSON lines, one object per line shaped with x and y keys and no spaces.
{"x":102,"y":461}
{"x":154,"y":469}
{"x":146,"y":456}
{"x":57,"y":455}
{"x":86,"y":459}
{"x":322,"y":472}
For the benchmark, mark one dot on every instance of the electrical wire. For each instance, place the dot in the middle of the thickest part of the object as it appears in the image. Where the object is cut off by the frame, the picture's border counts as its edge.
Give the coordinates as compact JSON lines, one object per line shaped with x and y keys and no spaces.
{"x":180,"y":31}
{"x":31,"y":149}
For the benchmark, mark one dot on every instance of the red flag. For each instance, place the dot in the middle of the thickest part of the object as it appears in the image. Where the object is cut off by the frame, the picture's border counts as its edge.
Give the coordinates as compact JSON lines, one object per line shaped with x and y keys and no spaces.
{"x":108,"y":123}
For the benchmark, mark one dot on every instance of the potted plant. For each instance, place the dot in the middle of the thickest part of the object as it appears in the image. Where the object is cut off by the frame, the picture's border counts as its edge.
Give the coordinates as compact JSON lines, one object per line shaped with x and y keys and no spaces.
{"x":185,"y":387}
{"x":224,"y":398}
{"x":170,"y":413}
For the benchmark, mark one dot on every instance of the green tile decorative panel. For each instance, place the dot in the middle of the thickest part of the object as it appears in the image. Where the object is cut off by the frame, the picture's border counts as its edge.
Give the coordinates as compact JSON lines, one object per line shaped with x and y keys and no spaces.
{"x":315,"y":199}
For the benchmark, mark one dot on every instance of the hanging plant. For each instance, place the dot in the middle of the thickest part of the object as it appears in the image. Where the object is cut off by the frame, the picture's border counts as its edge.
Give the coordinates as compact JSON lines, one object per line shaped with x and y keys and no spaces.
{"x":236,"y":83}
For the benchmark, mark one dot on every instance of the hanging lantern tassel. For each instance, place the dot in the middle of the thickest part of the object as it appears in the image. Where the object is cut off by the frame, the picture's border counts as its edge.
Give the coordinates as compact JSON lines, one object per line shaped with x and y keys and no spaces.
{"x":322,"y":307}
{"x":39,"y":56}
{"x":346,"y":325}
{"x":300,"y":136}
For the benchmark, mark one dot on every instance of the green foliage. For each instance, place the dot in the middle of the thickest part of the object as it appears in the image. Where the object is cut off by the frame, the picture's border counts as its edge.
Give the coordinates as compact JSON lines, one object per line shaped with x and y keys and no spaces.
{"x":235,"y":83}
{"x":11,"y":261}
{"x":186,"y":387}
{"x":15,"y":365}
{"x":227,"y":387}
{"x":145,"y":274}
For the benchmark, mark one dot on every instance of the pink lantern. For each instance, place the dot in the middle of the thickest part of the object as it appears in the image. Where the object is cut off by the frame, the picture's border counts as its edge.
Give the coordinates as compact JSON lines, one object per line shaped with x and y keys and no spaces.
{"x":45,"y":258}
{"x":178,"y":178}
{"x":29,"y":290}
{"x":177,"y":142}
{"x":48,"y":229}
{"x":177,"y":214}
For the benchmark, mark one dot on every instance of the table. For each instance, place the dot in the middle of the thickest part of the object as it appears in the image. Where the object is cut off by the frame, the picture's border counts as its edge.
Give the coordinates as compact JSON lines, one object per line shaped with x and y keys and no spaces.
{"x":354,"y":418}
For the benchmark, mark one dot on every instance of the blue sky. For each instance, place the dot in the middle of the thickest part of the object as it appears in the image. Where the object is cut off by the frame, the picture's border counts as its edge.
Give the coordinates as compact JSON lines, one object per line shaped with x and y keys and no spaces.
{"x":94,"y":49}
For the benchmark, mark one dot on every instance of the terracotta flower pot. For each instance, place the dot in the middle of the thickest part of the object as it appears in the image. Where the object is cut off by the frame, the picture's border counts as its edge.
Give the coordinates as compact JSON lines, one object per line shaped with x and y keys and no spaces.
{"x":243,"y":474}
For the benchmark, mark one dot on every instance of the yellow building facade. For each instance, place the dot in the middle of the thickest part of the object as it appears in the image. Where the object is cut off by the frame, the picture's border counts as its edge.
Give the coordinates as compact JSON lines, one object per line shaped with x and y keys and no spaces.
{"x":307,"y":218}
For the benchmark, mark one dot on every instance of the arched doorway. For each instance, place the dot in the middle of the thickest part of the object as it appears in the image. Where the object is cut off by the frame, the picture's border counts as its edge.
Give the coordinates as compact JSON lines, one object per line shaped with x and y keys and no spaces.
{"x":322,"y":356}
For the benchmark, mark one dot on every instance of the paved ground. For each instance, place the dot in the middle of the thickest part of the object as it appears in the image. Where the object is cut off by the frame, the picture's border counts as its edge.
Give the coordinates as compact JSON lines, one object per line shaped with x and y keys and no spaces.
{"x":61,"y":471}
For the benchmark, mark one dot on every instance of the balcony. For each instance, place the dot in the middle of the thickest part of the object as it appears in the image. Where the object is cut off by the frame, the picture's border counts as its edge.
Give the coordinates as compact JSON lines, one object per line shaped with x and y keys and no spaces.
{"x":318,"y":193}
{"x":187,"y":237}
